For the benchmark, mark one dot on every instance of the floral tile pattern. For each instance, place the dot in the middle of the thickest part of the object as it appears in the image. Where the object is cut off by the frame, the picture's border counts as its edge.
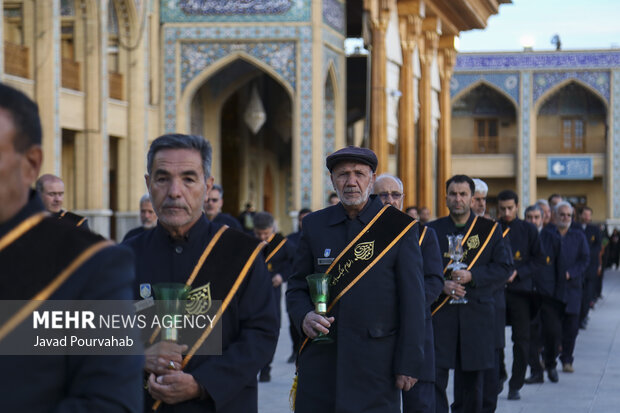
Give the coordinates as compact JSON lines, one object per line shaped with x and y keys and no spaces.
{"x":287,"y":49}
{"x":234,"y":11}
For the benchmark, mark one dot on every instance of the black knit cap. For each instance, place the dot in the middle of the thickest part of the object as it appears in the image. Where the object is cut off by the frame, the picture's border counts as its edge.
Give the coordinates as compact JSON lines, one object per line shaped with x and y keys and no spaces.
{"x":352,"y":154}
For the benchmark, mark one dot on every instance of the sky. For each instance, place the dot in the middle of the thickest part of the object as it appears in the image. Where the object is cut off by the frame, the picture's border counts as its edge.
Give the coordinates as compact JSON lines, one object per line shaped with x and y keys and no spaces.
{"x":581,"y":24}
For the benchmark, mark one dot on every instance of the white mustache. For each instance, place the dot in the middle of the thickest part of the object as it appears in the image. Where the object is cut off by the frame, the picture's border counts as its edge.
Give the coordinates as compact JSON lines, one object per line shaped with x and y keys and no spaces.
{"x":350,"y":189}
{"x":173,"y":205}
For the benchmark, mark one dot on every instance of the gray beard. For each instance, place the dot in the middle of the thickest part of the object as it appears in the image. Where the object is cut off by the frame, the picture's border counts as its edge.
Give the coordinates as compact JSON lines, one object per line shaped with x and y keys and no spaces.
{"x":361,"y":201}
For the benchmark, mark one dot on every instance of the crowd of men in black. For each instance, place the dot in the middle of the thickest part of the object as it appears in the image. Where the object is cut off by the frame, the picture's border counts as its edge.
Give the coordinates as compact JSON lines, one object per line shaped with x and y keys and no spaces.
{"x":402,"y":312}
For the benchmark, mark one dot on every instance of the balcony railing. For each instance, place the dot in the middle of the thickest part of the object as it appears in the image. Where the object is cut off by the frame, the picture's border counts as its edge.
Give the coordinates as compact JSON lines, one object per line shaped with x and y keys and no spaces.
{"x":555,"y":144}
{"x":116,"y":85}
{"x":70,"y":74}
{"x":484,"y":146}
{"x":16,"y":59}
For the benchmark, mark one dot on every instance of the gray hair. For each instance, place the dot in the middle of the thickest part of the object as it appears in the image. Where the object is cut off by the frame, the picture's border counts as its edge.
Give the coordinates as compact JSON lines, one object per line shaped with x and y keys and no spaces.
{"x":263,"y":220}
{"x":395,"y":178}
{"x":481,"y":186}
{"x":218,"y":188}
{"x":534,"y":207}
{"x":562,"y":204}
{"x":145,"y":198}
{"x":180,"y":141}
{"x":542,"y":202}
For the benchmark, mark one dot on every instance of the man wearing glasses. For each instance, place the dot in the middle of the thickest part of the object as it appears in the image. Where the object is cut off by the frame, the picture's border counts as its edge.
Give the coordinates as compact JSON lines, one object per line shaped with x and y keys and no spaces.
{"x":421,"y":398}
{"x":214,"y":201}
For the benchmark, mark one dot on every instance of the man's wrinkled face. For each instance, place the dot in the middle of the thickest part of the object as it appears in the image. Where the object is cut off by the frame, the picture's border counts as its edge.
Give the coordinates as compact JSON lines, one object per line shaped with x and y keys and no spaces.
{"x":53,"y":195}
{"x":178,"y":187}
{"x":389,"y":192}
{"x":213,"y":203}
{"x":534,"y":217}
{"x":507,"y":209}
{"x":18,"y":171}
{"x":458,"y":198}
{"x":562,"y":217}
{"x":147,"y":215}
{"x":263,"y":234}
{"x":353,"y":182}
{"x":479,"y":203}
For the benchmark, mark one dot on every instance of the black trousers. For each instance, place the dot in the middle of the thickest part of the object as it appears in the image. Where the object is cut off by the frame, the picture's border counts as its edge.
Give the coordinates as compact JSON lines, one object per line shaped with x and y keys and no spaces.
{"x":546,"y":334}
{"x":570,"y":329}
{"x":518,"y":307}
{"x":587,"y":296}
{"x":420,"y":399}
{"x":490,"y":385}
{"x":467,"y":390}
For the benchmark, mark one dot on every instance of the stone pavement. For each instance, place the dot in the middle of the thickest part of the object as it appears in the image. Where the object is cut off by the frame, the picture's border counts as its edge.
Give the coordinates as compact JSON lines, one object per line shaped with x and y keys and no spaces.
{"x":593,"y":388}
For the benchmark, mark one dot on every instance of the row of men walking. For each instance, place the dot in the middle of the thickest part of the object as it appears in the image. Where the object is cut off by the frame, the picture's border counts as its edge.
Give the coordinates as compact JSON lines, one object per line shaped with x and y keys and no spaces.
{"x":392,"y":327}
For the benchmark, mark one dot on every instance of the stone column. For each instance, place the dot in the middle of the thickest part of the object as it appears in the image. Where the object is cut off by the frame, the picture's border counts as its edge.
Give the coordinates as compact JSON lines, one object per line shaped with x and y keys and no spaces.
{"x":132,"y":185}
{"x":95,"y":135}
{"x":410,"y":27}
{"x":525,"y":165}
{"x":318,"y":86}
{"x":46,"y":78}
{"x":430,"y":43}
{"x":378,"y":119}
{"x":444,"y":143}
{"x":613,"y":153}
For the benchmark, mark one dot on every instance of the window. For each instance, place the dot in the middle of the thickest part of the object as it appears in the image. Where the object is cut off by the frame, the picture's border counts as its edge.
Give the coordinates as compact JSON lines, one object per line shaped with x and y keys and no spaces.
{"x":486,"y":136}
{"x":573,"y":135}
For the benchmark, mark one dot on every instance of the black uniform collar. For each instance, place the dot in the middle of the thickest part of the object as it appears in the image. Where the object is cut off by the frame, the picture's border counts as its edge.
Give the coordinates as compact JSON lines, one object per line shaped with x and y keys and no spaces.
{"x":199,"y":227}
{"x":454,"y":229}
{"x":339,"y":214}
{"x":33,"y":206}
{"x":509,"y":224}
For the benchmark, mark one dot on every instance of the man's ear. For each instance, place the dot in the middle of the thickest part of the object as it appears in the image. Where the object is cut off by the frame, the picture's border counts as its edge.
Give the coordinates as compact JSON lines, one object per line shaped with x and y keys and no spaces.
{"x":209,"y":183}
{"x":33,"y":158}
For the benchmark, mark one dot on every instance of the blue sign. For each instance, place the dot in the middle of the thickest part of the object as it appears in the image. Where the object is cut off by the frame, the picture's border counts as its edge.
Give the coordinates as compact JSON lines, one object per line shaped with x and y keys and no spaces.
{"x":570,"y":167}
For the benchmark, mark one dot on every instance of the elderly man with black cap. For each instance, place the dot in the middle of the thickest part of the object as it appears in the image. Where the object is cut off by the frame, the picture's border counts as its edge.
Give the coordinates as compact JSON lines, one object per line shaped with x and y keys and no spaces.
{"x":376,"y":306}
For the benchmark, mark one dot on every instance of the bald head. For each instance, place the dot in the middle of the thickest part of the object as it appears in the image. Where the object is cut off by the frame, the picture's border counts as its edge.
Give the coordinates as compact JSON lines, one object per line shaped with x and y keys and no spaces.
{"x":51,"y":189}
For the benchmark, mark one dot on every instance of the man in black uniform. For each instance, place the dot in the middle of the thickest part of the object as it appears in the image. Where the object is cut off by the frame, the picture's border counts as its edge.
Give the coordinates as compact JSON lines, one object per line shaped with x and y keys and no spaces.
{"x":278,"y":255}
{"x":294,"y":239}
{"x":546,"y":329}
{"x":465,"y":333}
{"x":594,"y":270}
{"x":51,"y":189}
{"x":528,"y":260}
{"x":43,"y":257}
{"x":185,"y":247}
{"x":421,"y":398}
{"x":148,"y":218}
{"x":213,"y":208}
{"x":375,"y":311}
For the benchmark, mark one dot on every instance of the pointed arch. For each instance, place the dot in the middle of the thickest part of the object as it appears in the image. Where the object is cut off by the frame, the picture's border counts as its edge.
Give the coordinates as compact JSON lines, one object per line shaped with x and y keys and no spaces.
{"x":185,"y":100}
{"x":483,"y":82}
{"x":559,"y":86}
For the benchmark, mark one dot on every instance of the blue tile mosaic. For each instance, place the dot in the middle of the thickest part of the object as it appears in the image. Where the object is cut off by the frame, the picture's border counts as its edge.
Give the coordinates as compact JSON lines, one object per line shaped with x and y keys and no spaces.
{"x":616,"y":143}
{"x":329,"y":133}
{"x":196,"y":56}
{"x":599,"y":81}
{"x":206,"y":7}
{"x":525,"y":161}
{"x":334,"y":14}
{"x":247,"y":37}
{"x":234,"y":11}
{"x":506,"y":82}
{"x":539,"y":60}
